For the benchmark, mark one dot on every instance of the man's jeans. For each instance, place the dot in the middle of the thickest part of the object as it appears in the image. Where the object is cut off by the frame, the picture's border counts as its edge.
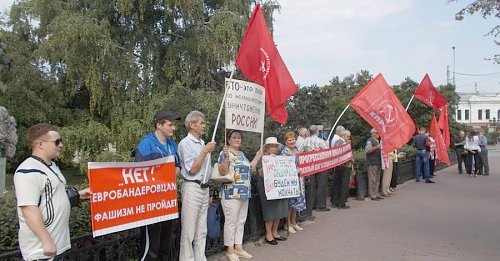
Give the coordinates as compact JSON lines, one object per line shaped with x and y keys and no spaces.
{"x":422,"y":159}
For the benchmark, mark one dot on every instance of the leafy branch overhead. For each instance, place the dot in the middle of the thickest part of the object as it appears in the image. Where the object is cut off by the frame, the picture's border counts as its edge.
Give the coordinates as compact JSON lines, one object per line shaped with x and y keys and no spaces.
{"x":486,"y":8}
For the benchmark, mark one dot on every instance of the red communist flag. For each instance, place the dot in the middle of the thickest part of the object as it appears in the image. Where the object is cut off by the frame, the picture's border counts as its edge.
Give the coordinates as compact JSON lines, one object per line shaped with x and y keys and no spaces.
{"x":381,"y":108}
{"x":441,"y":150}
{"x":428,"y":94}
{"x":260,"y":61}
{"x":444,"y":125}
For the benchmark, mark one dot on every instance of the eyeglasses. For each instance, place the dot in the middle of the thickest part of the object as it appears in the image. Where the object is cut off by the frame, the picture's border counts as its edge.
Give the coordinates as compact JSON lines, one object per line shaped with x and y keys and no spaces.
{"x":56,"y":142}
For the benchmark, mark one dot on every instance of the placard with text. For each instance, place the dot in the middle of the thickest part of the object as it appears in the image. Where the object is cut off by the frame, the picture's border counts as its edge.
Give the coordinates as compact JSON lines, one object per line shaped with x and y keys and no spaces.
{"x":244,"y":106}
{"x":313,"y":162}
{"x":126,"y":195}
{"x":281,"y":179}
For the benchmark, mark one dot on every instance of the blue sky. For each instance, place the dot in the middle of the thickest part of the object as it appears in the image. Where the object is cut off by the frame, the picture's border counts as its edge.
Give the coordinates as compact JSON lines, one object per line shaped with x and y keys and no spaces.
{"x":320,"y":39}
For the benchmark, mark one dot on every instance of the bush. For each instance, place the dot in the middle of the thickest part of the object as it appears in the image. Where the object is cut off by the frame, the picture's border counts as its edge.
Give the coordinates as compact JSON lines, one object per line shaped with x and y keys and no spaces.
{"x":79,"y":223}
{"x":8,"y":223}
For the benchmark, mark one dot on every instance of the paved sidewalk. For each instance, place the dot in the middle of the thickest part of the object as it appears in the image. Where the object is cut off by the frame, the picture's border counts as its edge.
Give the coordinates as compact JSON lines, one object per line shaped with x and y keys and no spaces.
{"x":457,"y":218}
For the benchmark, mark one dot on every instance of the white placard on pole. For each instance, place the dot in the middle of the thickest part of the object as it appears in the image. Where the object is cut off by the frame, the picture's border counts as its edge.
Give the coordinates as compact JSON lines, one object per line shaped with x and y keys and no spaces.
{"x":244,"y":106}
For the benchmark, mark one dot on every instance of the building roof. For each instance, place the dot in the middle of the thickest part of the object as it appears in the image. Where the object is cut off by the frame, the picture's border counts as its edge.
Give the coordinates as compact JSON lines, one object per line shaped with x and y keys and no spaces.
{"x":479,"y":97}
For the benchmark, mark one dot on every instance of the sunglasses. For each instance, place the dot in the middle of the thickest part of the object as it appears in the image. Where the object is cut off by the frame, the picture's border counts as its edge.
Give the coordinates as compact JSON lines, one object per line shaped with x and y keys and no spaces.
{"x":56,"y":142}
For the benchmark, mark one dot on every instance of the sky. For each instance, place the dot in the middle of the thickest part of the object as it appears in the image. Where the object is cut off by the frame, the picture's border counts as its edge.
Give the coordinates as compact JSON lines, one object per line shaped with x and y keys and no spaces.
{"x":321,"y":39}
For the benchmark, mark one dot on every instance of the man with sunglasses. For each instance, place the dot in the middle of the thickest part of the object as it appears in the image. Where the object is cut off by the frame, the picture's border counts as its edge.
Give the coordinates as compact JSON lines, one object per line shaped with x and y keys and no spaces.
{"x":43,"y":203}
{"x":156,"y":239}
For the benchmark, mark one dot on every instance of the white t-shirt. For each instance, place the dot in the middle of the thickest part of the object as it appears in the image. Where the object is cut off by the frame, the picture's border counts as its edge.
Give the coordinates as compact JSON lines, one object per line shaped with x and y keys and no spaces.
{"x":36,"y":184}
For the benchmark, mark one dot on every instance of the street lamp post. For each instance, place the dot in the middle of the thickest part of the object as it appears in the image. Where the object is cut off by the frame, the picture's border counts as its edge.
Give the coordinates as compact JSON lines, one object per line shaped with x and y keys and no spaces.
{"x":454,"y":66}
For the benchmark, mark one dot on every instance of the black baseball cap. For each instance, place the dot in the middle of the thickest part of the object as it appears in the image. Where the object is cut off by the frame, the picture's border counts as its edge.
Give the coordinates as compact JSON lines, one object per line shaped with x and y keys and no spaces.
{"x":165,"y":114}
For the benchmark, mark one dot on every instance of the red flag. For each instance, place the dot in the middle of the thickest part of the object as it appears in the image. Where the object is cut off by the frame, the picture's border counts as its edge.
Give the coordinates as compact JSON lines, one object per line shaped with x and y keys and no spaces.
{"x":381,"y":108}
{"x":427,"y":93}
{"x":441,"y":150}
{"x":444,"y":125}
{"x":260,"y":61}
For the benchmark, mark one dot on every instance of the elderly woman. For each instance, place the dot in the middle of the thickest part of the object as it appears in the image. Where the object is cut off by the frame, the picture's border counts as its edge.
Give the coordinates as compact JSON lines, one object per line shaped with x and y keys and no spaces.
{"x":272,"y":210}
{"x":473,"y":150}
{"x":294,"y":204}
{"x":235,"y":195}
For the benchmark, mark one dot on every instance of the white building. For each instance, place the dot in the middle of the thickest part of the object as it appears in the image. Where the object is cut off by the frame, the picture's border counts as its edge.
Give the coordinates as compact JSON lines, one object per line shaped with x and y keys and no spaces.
{"x":478,"y":110}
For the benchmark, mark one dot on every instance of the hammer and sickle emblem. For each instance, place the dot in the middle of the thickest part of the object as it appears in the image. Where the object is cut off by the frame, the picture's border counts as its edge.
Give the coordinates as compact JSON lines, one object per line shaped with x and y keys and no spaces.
{"x":389,"y":113}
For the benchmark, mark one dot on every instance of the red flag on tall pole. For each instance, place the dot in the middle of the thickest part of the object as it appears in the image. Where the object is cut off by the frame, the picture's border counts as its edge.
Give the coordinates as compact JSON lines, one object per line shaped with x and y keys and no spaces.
{"x":444,"y":125}
{"x":260,"y":61}
{"x":428,"y":94}
{"x":441,"y":150}
{"x":381,"y":108}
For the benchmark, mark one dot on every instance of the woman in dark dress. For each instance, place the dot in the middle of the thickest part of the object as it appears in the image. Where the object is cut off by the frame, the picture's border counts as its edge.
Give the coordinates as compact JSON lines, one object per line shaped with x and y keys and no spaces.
{"x":272,"y":210}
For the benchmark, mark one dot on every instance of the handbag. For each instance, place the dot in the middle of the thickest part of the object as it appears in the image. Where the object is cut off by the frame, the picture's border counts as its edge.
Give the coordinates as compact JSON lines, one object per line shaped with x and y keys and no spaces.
{"x":217,"y":177}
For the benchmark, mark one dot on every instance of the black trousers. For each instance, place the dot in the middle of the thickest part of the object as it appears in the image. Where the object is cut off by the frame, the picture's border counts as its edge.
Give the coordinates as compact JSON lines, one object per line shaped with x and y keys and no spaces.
{"x":309,"y":185}
{"x":461,"y":158}
{"x":395,"y":174}
{"x":320,"y":189}
{"x":340,"y":190}
{"x":432,"y":166}
{"x":156,"y":242}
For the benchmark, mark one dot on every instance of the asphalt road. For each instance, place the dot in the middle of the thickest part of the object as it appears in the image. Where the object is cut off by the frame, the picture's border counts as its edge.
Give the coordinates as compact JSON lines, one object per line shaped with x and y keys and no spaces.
{"x":457,"y":218}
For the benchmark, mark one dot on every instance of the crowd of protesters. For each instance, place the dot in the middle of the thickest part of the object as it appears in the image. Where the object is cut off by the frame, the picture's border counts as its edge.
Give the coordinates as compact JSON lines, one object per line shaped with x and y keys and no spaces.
{"x":193,"y":165}
{"x":472,"y":151}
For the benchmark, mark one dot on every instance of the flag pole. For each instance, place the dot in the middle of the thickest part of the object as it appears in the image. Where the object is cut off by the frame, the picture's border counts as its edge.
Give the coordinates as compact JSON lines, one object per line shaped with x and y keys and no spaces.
{"x":337,"y":121}
{"x":222,"y":104}
{"x":407,"y":106}
{"x":204,"y":181}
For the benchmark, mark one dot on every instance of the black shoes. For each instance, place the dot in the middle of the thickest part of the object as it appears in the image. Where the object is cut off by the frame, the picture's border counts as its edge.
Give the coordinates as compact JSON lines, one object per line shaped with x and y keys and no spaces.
{"x":344,"y":207}
{"x":280,"y":238}
{"x":271,"y":242}
{"x":429,"y":181}
{"x":323,"y":209}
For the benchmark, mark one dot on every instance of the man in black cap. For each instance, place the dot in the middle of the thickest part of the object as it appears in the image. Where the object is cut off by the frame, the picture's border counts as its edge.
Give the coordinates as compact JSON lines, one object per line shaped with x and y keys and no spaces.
{"x":156,"y":239}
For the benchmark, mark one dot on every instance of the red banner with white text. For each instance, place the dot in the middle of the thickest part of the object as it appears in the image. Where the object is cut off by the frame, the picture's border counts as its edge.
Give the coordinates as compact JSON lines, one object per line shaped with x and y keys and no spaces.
{"x":313,"y":162}
{"x":127,"y":195}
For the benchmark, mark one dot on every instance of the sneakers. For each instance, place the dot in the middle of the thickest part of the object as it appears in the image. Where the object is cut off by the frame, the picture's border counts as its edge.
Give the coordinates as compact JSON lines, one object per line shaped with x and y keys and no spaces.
{"x":232,"y":257}
{"x":429,"y":181}
{"x":291,"y":230}
{"x":297,"y":227}
{"x":243,"y":254}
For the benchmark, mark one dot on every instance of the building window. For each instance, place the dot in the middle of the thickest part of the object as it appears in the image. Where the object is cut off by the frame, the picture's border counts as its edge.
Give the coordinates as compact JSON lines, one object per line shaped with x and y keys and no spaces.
{"x":466,"y":115}
{"x":459,"y":115}
{"x":480,"y":114}
{"x":487,"y":114}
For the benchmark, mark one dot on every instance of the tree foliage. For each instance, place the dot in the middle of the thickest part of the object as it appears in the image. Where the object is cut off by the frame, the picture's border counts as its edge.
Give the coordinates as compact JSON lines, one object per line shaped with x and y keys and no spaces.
{"x":100,"y":68}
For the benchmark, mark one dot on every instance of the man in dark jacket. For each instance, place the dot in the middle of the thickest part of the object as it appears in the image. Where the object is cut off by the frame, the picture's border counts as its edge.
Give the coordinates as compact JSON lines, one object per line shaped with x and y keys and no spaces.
{"x":421,"y":142}
{"x":156,"y":239}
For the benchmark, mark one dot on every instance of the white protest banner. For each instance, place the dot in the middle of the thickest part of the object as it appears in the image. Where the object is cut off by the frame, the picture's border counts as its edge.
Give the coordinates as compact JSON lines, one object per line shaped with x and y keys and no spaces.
{"x":281,"y":179}
{"x":244,"y":106}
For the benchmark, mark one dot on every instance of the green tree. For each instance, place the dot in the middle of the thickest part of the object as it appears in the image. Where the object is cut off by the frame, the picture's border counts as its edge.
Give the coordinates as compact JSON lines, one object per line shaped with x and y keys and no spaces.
{"x":100,"y":68}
